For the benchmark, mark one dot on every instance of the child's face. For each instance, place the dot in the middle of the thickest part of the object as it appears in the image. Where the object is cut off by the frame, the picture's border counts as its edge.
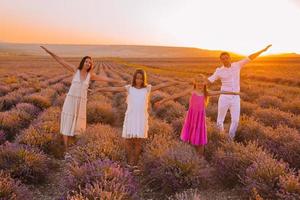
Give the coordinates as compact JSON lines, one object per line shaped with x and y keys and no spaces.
{"x":139,"y":80}
{"x":199,"y":82}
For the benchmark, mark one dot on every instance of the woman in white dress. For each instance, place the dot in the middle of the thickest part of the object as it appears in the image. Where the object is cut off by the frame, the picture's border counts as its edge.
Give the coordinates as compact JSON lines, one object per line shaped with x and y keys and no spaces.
{"x":135,"y":126}
{"x":73,"y":115}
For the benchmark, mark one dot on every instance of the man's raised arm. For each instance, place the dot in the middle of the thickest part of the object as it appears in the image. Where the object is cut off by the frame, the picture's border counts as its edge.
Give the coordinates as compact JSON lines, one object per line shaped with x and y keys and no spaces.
{"x":256,"y":54}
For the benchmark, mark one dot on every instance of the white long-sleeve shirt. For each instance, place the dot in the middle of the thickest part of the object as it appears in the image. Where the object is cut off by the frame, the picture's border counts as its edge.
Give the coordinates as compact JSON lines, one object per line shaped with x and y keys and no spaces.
{"x":229,"y":76}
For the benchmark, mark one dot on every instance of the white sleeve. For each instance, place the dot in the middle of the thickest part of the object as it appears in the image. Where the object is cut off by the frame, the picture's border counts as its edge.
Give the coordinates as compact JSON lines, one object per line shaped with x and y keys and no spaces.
{"x":214,"y":77}
{"x":242,"y":62}
{"x":149,"y":88}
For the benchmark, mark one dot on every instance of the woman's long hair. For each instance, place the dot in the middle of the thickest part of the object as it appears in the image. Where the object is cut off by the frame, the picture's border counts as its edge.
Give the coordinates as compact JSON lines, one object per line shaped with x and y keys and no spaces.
{"x":205,"y":90}
{"x":82,"y":63}
{"x":144,"y":75}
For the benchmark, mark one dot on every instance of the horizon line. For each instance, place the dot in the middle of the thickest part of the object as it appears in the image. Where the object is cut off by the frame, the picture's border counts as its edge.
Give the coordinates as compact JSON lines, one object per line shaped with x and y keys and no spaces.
{"x":141,"y":45}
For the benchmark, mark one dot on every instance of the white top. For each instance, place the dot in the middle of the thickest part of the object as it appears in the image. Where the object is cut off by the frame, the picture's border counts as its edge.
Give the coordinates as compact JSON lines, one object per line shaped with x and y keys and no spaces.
{"x":230,"y":76}
{"x":73,"y":115}
{"x":79,"y":87}
{"x":136,"y":116}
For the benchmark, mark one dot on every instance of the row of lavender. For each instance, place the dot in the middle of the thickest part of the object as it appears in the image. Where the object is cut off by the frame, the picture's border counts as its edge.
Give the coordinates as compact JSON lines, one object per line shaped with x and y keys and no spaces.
{"x":28,"y":122}
{"x":98,"y":168}
{"x":269,"y":132}
{"x":98,"y":165}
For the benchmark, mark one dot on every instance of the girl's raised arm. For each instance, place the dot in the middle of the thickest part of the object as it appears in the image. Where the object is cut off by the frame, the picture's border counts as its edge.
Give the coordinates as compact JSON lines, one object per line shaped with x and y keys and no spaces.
{"x":175,"y":96}
{"x":112,"y":89}
{"x":96,"y":77}
{"x":215,"y":93}
{"x":61,"y":61}
{"x":163,"y":85}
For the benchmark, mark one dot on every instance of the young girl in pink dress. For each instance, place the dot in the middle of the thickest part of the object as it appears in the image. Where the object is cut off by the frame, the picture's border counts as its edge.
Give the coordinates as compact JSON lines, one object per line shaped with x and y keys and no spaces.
{"x":194,"y":128}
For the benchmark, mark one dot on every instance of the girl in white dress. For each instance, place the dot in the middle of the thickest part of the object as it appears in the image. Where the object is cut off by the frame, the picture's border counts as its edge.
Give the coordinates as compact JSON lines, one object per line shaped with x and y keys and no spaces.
{"x":73,"y":115}
{"x":135,"y":126}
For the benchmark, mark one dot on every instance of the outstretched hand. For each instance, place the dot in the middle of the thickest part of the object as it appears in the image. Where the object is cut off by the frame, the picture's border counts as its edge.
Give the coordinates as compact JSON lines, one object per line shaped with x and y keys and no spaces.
{"x":267,"y":47}
{"x":256,"y":54}
{"x":122,"y":82}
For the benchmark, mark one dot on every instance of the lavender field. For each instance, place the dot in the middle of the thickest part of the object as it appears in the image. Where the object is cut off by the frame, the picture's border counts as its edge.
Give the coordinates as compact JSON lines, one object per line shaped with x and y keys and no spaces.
{"x":262,"y":163}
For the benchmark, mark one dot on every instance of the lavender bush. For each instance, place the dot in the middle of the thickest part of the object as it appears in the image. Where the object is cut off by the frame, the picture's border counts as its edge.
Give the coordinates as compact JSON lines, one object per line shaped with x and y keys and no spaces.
{"x":4,"y":90}
{"x":289,"y":186}
{"x":283,"y":141}
{"x":99,"y":179}
{"x":38,"y":100}
{"x":170,"y":111}
{"x":232,"y":159}
{"x":24,"y":163}
{"x":170,"y":166}
{"x":159,"y":127}
{"x":263,"y":175}
{"x":2,"y":137}
{"x":99,"y":112}
{"x":99,"y":142}
{"x":44,"y":133}
{"x":13,"y":189}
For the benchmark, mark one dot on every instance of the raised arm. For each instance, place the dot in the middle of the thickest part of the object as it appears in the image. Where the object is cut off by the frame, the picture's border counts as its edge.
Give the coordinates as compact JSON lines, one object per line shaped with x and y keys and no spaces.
{"x":96,"y":77}
{"x":163,"y":85}
{"x":168,"y":79}
{"x":61,"y":61}
{"x":214,"y":93}
{"x":256,"y":54}
{"x":175,"y":96}
{"x":112,"y":89}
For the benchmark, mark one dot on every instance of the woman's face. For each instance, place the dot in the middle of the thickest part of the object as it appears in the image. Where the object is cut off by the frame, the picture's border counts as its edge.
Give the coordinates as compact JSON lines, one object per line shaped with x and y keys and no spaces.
{"x":88,"y":63}
{"x":139,"y":80}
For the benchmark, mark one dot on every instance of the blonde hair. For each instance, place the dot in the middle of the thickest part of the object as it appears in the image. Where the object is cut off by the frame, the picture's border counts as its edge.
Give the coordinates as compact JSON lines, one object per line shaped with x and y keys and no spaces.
{"x":201,"y":77}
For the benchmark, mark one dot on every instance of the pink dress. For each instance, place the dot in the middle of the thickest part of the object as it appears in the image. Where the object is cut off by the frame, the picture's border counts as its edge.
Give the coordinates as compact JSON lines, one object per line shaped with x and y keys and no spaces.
{"x":194,"y":128}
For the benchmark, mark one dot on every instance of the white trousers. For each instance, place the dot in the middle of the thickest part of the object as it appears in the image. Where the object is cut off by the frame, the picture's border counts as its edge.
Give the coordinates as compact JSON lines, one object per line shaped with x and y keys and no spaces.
{"x":231,"y":102}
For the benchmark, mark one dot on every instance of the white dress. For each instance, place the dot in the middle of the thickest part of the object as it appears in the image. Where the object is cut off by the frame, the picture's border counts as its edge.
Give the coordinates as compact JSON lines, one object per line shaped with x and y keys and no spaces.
{"x":136,"y":116}
{"x":73,"y":115}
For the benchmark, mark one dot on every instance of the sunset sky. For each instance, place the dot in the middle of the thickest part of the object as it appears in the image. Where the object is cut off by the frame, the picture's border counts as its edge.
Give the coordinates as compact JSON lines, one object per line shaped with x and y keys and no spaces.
{"x":242,"y":26}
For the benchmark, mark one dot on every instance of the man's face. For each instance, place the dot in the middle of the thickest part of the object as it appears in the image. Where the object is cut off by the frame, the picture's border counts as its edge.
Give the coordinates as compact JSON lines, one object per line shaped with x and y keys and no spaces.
{"x":225,"y":59}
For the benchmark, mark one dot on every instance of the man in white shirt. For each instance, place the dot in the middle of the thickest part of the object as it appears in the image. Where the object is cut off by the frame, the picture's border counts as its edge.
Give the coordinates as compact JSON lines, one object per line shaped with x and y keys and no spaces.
{"x":229,"y":74}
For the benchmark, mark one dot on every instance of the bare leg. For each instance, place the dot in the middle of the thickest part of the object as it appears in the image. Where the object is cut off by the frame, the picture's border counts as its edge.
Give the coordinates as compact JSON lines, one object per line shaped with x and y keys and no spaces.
{"x":65,"y":138}
{"x":128,"y":147}
{"x":200,"y":150}
{"x":137,"y":150}
{"x":72,"y":140}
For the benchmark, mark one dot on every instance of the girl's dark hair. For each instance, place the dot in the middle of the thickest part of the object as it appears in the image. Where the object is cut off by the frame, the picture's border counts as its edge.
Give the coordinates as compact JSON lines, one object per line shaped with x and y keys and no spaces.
{"x":82,"y":63}
{"x":143,"y":73}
